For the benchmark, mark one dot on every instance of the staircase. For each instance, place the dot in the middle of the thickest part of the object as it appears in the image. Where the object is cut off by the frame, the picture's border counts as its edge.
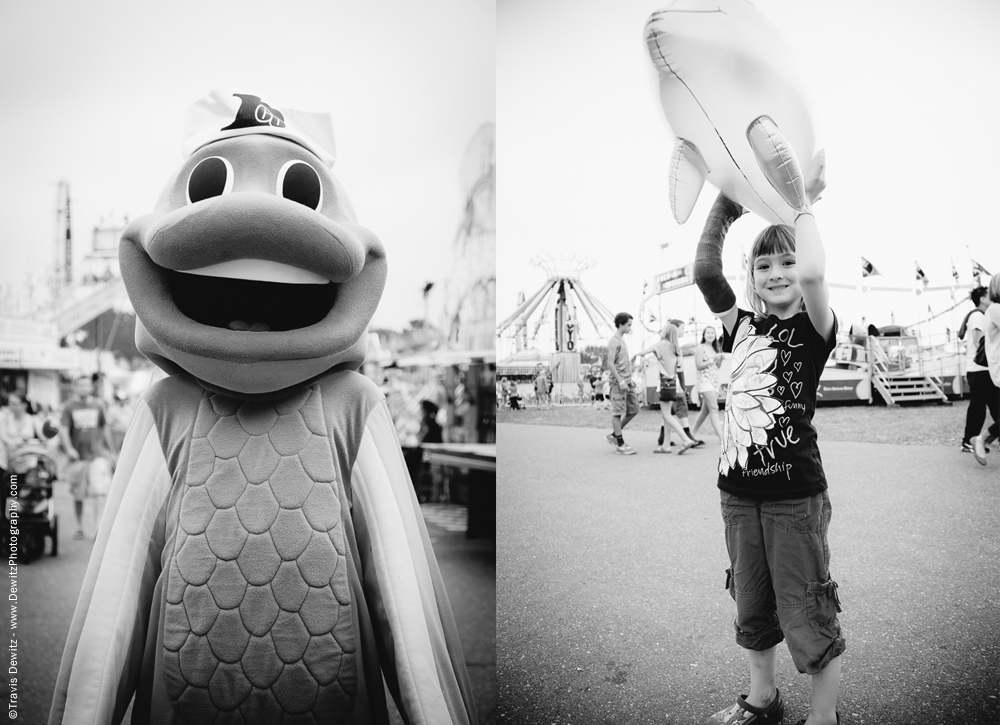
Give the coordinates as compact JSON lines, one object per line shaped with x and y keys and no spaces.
{"x":900,"y":386}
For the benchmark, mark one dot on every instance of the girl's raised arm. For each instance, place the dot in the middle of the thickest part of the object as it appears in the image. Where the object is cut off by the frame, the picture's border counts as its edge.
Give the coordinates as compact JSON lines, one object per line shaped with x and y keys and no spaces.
{"x":781,"y":167}
{"x":810,"y":263}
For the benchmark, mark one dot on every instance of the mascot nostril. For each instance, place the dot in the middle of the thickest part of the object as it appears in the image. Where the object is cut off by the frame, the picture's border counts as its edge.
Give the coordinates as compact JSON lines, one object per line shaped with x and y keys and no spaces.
{"x":262,"y":556}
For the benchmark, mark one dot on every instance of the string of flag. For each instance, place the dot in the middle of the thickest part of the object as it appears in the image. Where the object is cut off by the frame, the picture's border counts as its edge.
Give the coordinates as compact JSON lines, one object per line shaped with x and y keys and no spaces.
{"x":978,"y":271}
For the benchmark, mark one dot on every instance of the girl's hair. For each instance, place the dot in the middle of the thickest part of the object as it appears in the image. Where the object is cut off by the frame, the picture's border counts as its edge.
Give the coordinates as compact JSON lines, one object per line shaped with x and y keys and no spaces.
{"x":995,"y":288}
{"x":775,"y":239}
{"x":669,"y":332}
{"x":716,"y":343}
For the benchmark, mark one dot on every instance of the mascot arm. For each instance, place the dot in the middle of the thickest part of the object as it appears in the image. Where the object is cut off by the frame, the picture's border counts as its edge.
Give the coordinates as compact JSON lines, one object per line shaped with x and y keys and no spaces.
{"x":422,"y":657}
{"x":104,"y":648}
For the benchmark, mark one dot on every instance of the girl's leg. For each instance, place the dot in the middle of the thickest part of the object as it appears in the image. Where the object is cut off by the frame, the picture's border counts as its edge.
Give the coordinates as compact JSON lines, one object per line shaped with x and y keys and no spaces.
{"x":702,"y":415}
{"x":675,"y":425}
{"x":665,"y":428}
{"x":826,"y":686}
{"x":712,"y":407}
{"x":762,"y":687}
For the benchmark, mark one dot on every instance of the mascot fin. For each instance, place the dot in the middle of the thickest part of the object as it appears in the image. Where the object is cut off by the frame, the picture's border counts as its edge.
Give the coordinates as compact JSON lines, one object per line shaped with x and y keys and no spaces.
{"x":688,"y":172}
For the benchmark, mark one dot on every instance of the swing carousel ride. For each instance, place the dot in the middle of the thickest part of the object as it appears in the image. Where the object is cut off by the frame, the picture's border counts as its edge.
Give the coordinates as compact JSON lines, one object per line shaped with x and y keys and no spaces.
{"x":575,"y":314}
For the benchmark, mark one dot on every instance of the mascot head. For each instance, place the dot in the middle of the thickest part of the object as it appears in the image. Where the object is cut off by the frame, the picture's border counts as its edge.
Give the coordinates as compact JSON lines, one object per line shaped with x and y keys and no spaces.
{"x":252,"y":274}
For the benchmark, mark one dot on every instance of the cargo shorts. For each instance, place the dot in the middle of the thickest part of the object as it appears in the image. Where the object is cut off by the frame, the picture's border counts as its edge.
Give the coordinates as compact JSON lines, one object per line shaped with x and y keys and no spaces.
{"x":623,"y":402}
{"x":779,"y":576}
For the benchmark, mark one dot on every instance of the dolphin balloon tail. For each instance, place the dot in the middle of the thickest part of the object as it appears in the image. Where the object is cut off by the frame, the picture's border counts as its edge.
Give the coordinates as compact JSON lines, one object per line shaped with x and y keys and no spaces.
{"x":688,"y":172}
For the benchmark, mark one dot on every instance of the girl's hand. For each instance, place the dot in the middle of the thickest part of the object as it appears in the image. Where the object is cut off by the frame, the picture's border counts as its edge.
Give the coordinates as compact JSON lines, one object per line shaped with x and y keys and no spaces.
{"x":816,"y":183}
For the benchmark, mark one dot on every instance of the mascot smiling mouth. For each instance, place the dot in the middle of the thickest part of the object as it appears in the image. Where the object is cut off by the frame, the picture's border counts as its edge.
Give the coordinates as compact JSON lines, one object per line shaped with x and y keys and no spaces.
{"x":250,"y":282}
{"x":250,"y":305}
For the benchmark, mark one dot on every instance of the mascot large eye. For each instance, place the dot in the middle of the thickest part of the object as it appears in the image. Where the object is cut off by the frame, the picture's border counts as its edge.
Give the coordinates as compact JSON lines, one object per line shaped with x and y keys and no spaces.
{"x":211,"y":177}
{"x":298,"y":181}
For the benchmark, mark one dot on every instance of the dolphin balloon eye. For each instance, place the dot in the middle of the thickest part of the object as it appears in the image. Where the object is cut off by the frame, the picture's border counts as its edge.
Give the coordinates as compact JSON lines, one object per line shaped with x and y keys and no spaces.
{"x":211,"y":177}
{"x":299,"y":182}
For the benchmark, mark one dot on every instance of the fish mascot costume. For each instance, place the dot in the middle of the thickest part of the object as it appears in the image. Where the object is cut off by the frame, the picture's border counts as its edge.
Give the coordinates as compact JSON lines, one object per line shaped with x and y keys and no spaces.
{"x":262,"y":557}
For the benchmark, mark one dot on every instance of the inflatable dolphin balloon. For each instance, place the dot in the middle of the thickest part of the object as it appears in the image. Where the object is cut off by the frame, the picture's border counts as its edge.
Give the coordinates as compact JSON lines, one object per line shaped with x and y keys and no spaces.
{"x":722,"y":65}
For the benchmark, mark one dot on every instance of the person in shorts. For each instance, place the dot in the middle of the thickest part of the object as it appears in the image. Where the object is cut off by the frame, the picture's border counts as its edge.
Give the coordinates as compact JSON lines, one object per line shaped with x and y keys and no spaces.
{"x":85,"y":436}
{"x":624,"y":401}
{"x":668,"y":354}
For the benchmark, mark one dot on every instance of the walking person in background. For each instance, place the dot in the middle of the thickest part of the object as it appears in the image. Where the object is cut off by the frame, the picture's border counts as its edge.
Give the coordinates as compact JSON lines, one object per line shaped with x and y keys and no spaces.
{"x":667,"y":351}
{"x":982,"y":389}
{"x":542,"y":389}
{"x":85,"y":433}
{"x":624,"y":401}
{"x":707,"y":357}
{"x":991,"y":333}
{"x":680,"y":405}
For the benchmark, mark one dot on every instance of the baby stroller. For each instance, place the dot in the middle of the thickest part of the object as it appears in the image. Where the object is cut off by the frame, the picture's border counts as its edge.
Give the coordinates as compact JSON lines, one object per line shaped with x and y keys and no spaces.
{"x":35,"y":509}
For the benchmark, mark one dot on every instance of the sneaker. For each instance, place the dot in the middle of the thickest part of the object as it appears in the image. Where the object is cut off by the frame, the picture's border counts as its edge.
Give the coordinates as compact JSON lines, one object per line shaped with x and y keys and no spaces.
{"x":979,"y":450}
{"x":625,"y":449}
{"x":611,"y":439}
{"x":661,"y":449}
{"x":742,"y":713}
{"x":966,"y":447}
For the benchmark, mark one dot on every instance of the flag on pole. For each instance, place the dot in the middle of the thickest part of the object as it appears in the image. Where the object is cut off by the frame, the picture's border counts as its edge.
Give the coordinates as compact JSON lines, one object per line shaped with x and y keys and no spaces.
{"x":954,"y":272}
{"x":978,"y":269}
{"x":867,"y":268}
{"x":921,"y":277}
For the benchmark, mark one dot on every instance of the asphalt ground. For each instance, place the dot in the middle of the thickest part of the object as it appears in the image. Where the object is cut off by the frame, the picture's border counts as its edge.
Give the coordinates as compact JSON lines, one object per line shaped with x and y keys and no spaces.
{"x":49,"y":588}
{"x":611,"y":601}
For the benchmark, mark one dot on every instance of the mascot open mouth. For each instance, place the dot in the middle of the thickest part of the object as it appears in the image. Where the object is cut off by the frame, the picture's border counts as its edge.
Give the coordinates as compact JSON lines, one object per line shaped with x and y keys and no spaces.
{"x":253,"y":305}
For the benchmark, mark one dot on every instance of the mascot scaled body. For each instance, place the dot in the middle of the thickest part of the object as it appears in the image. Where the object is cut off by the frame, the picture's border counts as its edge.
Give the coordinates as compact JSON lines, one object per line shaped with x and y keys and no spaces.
{"x":262,"y":558}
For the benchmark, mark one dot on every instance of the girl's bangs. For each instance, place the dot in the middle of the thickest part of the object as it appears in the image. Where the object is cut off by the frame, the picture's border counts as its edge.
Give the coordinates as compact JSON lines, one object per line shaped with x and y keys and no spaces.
{"x":777,"y":239}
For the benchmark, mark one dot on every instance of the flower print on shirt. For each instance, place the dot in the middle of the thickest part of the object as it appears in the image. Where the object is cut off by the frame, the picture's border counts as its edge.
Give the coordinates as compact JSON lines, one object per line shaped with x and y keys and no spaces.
{"x":750,"y":408}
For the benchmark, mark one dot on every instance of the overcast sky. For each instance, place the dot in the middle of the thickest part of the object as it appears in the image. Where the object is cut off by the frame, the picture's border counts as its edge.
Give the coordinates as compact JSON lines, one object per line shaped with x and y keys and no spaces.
{"x":95,"y":93}
{"x":903,"y":99}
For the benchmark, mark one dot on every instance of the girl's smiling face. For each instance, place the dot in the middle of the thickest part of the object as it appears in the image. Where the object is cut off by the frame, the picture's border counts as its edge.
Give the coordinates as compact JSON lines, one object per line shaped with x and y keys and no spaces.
{"x":709,"y":335}
{"x":776,"y":282}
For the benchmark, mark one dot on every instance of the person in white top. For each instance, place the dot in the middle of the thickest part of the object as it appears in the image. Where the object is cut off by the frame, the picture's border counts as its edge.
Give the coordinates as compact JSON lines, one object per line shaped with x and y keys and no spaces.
{"x":707,"y":357}
{"x":991,"y":329}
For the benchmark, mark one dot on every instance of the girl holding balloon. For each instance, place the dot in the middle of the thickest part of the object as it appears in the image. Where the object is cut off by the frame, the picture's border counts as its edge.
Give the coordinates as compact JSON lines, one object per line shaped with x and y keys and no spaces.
{"x":771,"y":479}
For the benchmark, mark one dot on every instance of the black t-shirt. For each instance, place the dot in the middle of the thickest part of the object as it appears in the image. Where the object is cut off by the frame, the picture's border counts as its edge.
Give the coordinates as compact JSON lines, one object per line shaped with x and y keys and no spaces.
{"x":769,"y":450}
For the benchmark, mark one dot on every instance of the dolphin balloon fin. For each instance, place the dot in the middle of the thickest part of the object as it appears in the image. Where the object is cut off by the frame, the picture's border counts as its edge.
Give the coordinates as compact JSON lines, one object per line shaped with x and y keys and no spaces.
{"x":778,"y":161}
{"x":688,"y":172}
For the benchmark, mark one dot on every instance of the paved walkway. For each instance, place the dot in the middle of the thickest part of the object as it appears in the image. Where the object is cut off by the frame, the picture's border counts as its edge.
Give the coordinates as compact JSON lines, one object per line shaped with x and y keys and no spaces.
{"x":50,"y":586}
{"x":612,"y":608}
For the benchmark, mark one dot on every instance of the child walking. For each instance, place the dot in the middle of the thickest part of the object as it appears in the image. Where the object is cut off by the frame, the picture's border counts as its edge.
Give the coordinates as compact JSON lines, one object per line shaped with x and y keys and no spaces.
{"x":771,"y":480}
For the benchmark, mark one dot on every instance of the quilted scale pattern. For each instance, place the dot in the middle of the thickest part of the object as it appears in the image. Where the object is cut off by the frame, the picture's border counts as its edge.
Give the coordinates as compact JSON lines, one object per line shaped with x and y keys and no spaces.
{"x":258,"y":624}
